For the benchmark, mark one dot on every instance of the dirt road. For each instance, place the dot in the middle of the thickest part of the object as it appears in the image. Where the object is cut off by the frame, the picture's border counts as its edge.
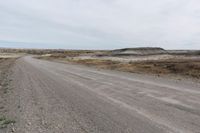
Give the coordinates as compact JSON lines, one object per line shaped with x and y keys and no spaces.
{"x":52,"y":97}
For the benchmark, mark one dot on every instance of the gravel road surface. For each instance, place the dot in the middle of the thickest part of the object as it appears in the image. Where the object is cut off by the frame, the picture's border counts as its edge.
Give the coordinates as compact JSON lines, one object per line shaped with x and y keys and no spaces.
{"x":53,"y":97}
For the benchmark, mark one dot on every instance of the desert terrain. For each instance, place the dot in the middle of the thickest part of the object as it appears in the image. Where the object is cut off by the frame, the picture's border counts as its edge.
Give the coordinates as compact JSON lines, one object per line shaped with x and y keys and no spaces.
{"x":154,"y":61}
{"x":137,"y":90}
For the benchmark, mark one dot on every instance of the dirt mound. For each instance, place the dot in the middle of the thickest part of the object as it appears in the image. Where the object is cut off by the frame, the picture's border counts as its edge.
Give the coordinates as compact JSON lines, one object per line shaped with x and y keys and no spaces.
{"x":184,"y":52}
{"x":139,"y":51}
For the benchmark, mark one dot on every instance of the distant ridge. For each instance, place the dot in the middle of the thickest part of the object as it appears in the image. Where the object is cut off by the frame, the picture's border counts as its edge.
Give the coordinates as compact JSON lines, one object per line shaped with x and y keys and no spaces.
{"x":139,"y":51}
{"x":140,"y":48}
{"x":151,"y":51}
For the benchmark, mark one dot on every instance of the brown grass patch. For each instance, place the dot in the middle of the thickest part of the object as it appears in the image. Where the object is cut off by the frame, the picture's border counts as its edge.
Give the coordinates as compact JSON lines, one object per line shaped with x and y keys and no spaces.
{"x":186,"y":67}
{"x":189,"y":67}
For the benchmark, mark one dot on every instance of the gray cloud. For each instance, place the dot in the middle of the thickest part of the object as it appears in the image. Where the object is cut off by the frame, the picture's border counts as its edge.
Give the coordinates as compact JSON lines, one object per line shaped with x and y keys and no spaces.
{"x":101,"y":24}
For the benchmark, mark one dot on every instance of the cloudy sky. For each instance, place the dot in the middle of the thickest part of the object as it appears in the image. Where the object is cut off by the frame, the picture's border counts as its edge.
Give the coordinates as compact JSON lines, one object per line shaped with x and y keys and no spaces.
{"x":100,"y":24}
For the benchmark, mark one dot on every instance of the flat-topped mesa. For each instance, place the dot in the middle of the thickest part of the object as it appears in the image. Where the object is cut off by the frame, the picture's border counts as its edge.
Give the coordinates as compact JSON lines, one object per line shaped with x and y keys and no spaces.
{"x":139,"y":51}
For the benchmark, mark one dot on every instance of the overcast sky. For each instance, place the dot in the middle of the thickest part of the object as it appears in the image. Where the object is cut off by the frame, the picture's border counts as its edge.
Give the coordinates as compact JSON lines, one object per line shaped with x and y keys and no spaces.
{"x":100,"y":24}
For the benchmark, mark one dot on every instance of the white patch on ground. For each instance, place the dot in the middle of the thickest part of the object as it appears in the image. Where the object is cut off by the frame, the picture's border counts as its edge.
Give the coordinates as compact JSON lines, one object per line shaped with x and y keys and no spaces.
{"x":10,"y":55}
{"x":137,"y":58}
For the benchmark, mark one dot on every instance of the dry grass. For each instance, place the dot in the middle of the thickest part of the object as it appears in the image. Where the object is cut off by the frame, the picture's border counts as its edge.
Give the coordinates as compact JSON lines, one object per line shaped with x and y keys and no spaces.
{"x":73,"y":53}
{"x":182,"y":67}
{"x":190,"y":68}
{"x":96,"y":62}
{"x":4,"y":122}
